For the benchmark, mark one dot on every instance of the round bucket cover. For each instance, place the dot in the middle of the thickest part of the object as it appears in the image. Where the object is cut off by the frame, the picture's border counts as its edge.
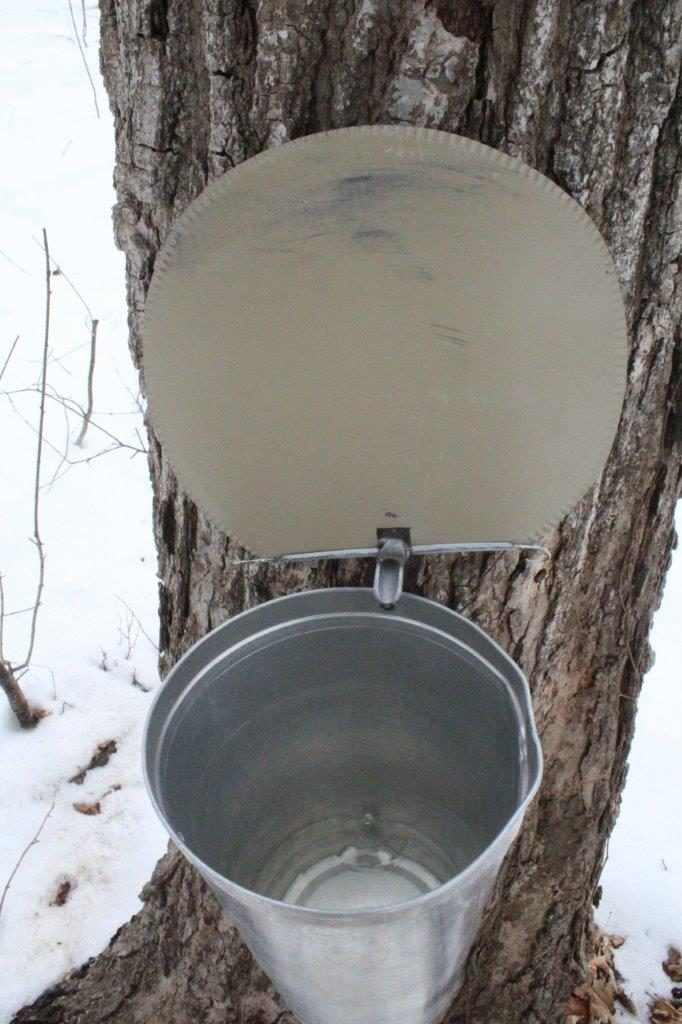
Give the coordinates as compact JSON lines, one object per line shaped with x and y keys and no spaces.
{"x":384,"y":326}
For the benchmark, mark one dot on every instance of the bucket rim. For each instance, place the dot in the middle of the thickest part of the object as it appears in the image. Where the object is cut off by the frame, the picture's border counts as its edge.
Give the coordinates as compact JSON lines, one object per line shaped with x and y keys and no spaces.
{"x":250,"y":897}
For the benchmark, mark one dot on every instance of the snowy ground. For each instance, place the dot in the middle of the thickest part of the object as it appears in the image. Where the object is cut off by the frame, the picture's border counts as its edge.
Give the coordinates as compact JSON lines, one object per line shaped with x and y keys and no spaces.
{"x":93,"y":664}
{"x":642,"y":879}
{"x":56,"y":173}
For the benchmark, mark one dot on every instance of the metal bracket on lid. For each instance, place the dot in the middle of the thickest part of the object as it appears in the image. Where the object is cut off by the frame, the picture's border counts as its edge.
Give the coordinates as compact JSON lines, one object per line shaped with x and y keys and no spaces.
{"x":393,"y":550}
{"x":401,"y":534}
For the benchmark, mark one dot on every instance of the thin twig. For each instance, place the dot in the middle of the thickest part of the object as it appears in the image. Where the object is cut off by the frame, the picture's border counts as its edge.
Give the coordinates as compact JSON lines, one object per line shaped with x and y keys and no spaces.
{"x":10,"y":260}
{"x":64,"y":457}
{"x":136,"y":398}
{"x":25,"y":851}
{"x":91,"y":373}
{"x":62,"y":273}
{"x":72,"y":406}
{"x":85,"y":63}
{"x":39,"y":459}
{"x":11,"y":353}
{"x":45,"y":668}
{"x":91,"y":458}
{"x":143,"y":448}
{"x":125,"y":632}
{"x":136,"y":618}
{"x":16,"y":611}
{"x":85,"y":24}
{"x":27,"y":422}
{"x":117,"y":444}
{"x":70,"y":352}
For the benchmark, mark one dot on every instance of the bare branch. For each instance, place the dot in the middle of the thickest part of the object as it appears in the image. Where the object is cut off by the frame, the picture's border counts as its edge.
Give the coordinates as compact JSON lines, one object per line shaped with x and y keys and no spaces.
{"x":127,"y":634}
{"x":91,"y":373}
{"x":27,"y":422}
{"x":65,"y":355}
{"x":37,"y":539}
{"x":18,"y":611}
{"x":11,"y":353}
{"x":35,"y":839}
{"x":84,"y":28}
{"x":59,"y":272}
{"x":136,"y":398}
{"x":136,"y":619}
{"x":65,"y":455}
{"x":10,"y":260}
{"x":73,"y":406}
{"x":45,"y":668}
{"x":10,"y":674}
{"x":82,"y":53}
{"x":143,"y":447}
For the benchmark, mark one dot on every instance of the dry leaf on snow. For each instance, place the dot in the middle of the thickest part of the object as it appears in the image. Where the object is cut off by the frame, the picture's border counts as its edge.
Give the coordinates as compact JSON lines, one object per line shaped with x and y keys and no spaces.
{"x":88,"y":808}
{"x":594,"y":1001}
{"x":101,"y":757}
{"x":62,"y":894}
{"x":663,"y":1012}
{"x":673,"y":965}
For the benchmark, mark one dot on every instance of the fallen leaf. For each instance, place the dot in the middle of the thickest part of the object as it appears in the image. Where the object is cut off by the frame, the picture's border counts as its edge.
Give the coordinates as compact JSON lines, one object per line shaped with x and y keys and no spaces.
{"x":101,"y":757}
{"x":624,"y":999}
{"x":62,"y":894}
{"x":601,"y":1011}
{"x":673,"y":965}
{"x":616,"y":941}
{"x":594,"y":1001}
{"x":88,"y":808}
{"x":578,"y":1010}
{"x":663,"y":1012}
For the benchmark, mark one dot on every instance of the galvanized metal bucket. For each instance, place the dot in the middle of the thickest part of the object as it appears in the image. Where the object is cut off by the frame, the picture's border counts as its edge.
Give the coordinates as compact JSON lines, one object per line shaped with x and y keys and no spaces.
{"x":347,"y":779}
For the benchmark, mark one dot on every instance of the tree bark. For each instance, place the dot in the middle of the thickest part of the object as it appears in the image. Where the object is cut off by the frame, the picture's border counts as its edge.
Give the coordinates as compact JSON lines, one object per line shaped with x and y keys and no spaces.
{"x":587,"y":92}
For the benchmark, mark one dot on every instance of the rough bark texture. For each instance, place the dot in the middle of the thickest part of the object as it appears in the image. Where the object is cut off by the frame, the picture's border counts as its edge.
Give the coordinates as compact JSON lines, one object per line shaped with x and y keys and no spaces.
{"x":587,"y":92}
{"x":26,"y":716}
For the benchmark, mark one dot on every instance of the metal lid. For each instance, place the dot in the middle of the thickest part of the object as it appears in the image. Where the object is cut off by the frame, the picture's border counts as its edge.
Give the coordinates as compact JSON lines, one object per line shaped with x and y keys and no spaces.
{"x":384,"y":326}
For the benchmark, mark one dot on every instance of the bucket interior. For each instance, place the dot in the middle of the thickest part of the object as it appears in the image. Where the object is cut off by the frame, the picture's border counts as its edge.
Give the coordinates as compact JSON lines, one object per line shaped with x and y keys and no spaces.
{"x":342,"y":762}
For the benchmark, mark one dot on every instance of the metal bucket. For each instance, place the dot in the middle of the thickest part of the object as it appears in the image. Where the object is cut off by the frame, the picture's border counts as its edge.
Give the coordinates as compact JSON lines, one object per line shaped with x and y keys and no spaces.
{"x":347,"y":779}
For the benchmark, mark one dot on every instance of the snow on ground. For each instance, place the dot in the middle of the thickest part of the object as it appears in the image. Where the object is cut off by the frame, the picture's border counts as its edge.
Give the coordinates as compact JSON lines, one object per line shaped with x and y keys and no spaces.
{"x":92,"y":664}
{"x":96,"y":520}
{"x":642,"y":879}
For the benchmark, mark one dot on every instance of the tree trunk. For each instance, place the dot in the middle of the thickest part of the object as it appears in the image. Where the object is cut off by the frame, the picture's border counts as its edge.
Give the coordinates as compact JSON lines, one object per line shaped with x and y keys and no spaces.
{"x":588,"y":94}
